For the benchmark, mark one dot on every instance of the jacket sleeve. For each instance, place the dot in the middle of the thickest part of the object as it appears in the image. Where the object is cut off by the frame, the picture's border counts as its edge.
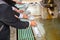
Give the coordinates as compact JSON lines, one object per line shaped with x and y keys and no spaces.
{"x":8,"y":18}
{"x":11,"y":3}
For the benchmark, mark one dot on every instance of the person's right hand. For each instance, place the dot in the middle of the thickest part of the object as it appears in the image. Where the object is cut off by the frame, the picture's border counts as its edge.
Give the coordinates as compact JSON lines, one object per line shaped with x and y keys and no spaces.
{"x":33,"y":23}
{"x":25,"y":16}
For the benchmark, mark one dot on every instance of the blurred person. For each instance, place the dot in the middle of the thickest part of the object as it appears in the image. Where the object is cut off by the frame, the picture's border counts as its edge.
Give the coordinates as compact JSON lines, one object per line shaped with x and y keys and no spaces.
{"x":7,"y":19}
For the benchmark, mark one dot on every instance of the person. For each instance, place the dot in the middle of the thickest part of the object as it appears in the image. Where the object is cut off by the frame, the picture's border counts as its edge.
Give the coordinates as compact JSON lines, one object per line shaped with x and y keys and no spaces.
{"x":12,"y":4}
{"x":8,"y":19}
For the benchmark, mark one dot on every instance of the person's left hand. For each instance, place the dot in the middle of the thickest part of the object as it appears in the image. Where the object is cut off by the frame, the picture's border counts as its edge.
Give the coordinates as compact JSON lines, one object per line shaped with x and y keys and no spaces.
{"x":19,"y":3}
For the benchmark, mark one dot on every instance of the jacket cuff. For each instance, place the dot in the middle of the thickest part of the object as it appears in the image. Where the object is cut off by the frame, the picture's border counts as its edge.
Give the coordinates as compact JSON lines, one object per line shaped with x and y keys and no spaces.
{"x":21,"y":15}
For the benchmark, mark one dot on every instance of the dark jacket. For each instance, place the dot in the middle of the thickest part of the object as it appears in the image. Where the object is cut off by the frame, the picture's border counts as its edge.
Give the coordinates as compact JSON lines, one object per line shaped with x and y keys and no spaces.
{"x":10,"y":2}
{"x":7,"y":19}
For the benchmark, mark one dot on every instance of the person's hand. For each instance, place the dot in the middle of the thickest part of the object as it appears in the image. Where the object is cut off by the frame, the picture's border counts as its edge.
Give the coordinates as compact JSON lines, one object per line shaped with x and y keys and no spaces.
{"x":19,"y":3}
{"x":33,"y":23}
{"x":15,"y":9}
{"x":25,"y":16}
{"x":18,"y":11}
{"x":21,"y":11}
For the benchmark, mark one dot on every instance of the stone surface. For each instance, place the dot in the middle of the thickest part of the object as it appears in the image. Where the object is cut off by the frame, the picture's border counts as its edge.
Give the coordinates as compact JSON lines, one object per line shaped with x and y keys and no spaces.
{"x":12,"y":33}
